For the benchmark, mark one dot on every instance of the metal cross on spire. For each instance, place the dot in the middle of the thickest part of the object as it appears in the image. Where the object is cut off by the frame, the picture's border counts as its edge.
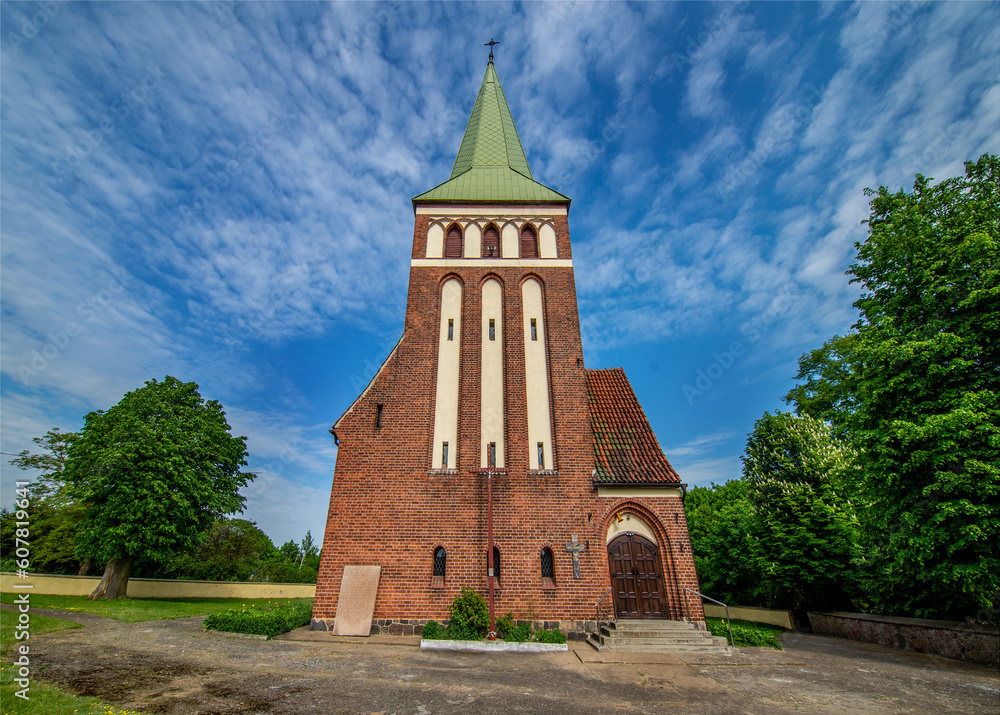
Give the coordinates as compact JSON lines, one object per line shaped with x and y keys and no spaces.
{"x":491,"y":43}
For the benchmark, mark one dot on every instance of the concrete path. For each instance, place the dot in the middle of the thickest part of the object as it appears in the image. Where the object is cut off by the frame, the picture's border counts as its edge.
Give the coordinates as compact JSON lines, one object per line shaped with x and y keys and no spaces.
{"x":177,"y":667}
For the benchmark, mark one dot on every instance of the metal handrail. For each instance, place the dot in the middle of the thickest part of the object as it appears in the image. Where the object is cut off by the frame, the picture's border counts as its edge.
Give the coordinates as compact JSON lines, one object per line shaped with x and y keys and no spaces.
{"x":729,"y":624}
{"x":597,"y":611}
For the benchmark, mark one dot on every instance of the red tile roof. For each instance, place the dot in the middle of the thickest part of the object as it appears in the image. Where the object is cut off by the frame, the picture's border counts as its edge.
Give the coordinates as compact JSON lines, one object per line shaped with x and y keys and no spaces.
{"x":625,"y":448}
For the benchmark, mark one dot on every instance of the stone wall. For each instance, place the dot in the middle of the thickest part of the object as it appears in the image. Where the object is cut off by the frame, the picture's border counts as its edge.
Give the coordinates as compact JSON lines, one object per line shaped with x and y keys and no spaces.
{"x":156,"y":588}
{"x":969,"y":642}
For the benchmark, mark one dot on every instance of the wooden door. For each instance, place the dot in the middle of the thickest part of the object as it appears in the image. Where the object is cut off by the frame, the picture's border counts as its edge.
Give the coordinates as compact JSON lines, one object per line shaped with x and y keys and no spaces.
{"x":636,"y":577}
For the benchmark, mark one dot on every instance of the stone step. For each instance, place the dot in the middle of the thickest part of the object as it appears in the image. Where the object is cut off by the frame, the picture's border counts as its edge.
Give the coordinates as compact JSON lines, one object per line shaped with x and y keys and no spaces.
{"x":722,"y":650}
{"x":656,"y":641}
{"x":651,"y":632}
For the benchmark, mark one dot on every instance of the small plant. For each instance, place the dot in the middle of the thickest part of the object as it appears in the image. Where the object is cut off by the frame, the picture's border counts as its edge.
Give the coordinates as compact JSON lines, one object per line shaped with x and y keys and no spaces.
{"x":521,"y":633}
{"x":270,"y":619}
{"x":505,"y":624}
{"x":432,"y":631}
{"x":553,"y":636}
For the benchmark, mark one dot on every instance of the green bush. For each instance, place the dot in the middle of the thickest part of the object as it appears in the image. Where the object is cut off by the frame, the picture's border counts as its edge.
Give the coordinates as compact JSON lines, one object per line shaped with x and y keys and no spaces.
{"x":432,"y":631}
{"x":553,"y":636}
{"x":521,"y":633}
{"x":505,"y":624}
{"x":746,"y":634}
{"x":470,"y":617}
{"x":270,"y":619}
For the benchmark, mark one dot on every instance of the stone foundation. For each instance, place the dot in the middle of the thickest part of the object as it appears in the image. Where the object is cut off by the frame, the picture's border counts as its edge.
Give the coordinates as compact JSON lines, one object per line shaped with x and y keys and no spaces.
{"x":969,"y":642}
{"x":574,"y":630}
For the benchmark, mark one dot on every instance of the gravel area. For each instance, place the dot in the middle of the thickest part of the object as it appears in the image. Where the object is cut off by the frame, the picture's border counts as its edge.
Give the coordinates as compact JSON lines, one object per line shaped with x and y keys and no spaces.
{"x":177,"y":667}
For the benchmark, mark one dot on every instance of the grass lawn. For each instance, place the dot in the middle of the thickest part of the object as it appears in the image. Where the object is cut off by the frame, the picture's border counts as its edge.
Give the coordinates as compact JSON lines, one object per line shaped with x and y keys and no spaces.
{"x":747,"y":634}
{"x":131,"y":610}
{"x":43,"y":699}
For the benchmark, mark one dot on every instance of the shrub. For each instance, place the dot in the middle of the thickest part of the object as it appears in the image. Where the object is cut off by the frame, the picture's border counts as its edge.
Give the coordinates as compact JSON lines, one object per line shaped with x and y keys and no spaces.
{"x":270,"y":620}
{"x":520,"y":633}
{"x":505,"y":624}
{"x":470,"y":616}
{"x":460,"y":629}
{"x":746,"y":634}
{"x":432,"y":631}
{"x":553,"y":636}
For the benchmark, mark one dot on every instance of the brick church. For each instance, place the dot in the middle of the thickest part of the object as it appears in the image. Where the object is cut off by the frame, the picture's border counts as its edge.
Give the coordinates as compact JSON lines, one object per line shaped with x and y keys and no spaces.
{"x":486,"y":391}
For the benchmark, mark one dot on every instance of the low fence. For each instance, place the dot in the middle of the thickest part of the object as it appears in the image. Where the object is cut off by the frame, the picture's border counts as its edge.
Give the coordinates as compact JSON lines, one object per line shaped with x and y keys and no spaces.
{"x":782,"y":619}
{"x":970,"y":642}
{"x":155,"y":587}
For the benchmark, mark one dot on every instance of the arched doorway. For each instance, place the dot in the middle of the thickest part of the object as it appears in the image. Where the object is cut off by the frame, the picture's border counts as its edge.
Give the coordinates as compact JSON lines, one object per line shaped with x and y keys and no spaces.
{"x":636,"y":577}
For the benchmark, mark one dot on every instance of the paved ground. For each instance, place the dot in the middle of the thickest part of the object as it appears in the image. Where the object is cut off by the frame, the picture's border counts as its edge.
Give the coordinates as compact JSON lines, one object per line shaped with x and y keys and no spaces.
{"x":177,"y":667}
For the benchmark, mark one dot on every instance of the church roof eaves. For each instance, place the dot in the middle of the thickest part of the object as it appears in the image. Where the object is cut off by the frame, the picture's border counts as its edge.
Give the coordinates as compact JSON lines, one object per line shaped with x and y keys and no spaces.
{"x":626,"y":451}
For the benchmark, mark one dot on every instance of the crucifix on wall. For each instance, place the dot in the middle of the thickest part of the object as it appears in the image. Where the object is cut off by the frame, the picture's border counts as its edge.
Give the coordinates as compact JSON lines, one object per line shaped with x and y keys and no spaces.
{"x":575,"y":548}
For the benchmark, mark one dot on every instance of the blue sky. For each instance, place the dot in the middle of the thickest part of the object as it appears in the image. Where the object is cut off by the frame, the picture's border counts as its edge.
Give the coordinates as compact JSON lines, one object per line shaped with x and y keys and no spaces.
{"x":221,"y":192}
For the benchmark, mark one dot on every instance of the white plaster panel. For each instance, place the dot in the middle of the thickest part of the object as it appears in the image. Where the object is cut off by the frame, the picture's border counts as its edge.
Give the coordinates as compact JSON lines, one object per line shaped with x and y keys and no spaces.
{"x":536,"y":375}
{"x":632,"y":523}
{"x":473,"y":241}
{"x":546,"y":241}
{"x":508,"y":241}
{"x":491,"y":389}
{"x":484,"y":211}
{"x":446,"y":394}
{"x":435,"y":241}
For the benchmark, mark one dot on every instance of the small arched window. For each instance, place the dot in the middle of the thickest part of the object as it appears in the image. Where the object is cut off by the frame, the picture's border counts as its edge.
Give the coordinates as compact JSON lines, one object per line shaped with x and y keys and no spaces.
{"x":453,"y":243}
{"x":529,"y":242}
{"x":496,"y":567}
{"x":491,"y":242}
{"x":548,"y":569}
{"x":440,"y":562}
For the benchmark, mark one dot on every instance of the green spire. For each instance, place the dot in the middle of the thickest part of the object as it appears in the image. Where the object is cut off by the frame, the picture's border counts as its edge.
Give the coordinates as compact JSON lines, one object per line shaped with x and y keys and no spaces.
{"x":491,"y":138}
{"x":491,"y":165}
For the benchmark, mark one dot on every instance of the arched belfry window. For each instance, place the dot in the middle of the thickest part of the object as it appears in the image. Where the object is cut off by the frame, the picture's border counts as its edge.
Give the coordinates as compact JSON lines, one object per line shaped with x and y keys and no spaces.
{"x":453,"y":242}
{"x":529,"y":242}
{"x":440,"y":562}
{"x":548,"y":569}
{"x":491,"y":242}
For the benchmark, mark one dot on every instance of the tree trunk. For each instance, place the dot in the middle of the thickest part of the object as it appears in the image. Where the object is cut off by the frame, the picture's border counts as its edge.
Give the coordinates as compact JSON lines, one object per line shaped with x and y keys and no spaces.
{"x":84,"y":567}
{"x":115,"y":580}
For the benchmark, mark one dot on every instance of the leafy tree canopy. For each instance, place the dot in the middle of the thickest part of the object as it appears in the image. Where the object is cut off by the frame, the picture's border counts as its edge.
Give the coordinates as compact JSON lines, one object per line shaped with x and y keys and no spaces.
{"x":153,"y":471}
{"x":916,"y":387}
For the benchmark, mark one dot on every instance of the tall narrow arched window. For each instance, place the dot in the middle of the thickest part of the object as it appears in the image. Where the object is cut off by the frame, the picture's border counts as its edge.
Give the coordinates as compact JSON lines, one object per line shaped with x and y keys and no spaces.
{"x":440,"y":561}
{"x":548,"y":569}
{"x":491,"y":242}
{"x":453,"y":243}
{"x":529,"y":242}
{"x":496,"y":567}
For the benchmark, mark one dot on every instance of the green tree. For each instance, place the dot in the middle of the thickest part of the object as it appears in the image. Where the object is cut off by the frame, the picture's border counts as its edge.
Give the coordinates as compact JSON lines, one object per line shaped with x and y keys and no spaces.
{"x":56,"y":517}
{"x":918,"y":393}
{"x":927,"y":385}
{"x":231,"y":550}
{"x":153,"y":472}
{"x":719,"y":520}
{"x":804,"y":532}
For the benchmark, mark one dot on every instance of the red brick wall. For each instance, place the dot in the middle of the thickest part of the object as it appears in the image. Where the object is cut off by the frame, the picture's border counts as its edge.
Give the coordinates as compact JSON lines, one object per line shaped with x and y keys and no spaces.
{"x":386,"y":509}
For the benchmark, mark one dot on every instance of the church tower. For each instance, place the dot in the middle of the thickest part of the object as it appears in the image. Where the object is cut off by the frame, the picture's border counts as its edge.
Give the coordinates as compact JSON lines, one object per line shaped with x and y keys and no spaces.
{"x":489,"y":375}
